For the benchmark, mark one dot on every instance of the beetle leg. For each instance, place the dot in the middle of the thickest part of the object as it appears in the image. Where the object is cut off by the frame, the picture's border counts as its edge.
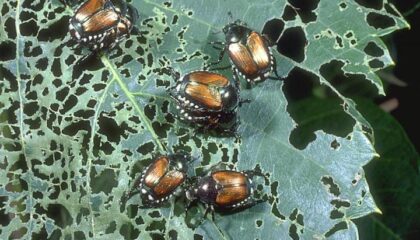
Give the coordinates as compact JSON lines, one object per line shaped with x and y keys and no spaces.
{"x":252,"y":173}
{"x":134,"y":14}
{"x":135,"y":189}
{"x":230,"y":15}
{"x":221,"y":55}
{"x":249,"y":84}
{"x":219,"y":68}
{"x":124,"y":8}
{"x":208,"y":208}
{"x":249,"y":202}
{"x":87,"y":57}
{"x":217,"y":42}
{"x":274,"y":66}
{"x":220,"y":166}
{"x":175,"y":75}
{"x":196,"y":118}
{"x":234,"y":130}
{"x":242,"y":101}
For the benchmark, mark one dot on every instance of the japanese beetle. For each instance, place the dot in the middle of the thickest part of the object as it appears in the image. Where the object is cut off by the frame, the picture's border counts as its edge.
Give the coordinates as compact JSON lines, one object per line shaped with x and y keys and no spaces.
{"x":101,"y":24}
{"x":162,"y":179}
{"x":249,"y":53}
{"x":224,"y":190}
{"x":208,"y":99}
{"x":221,"y":122}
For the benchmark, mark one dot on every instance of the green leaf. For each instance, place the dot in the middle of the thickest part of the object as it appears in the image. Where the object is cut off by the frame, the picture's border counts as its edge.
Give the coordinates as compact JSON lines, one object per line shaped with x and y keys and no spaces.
{"x":394,"y":176}
{"x":75,"y":134}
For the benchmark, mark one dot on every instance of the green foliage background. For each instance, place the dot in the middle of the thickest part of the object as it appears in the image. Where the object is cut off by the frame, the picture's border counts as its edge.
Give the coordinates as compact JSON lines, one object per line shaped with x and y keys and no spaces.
{"x":74,"y":136}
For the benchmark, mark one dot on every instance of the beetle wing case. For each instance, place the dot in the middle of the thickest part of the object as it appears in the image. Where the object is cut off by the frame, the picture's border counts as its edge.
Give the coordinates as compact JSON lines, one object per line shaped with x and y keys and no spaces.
{"x":161,"y":179}
{"x":99,"y":24}
{"x":234,"y":188}
{"x":258,"y":47}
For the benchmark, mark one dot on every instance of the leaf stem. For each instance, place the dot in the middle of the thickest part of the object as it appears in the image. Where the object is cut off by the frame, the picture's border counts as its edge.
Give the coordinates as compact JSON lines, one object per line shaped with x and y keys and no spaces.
{"x":21,"y":115}
{"x":143,"y":94}
{"x":133,"y":101}
{"x":412,"y":10}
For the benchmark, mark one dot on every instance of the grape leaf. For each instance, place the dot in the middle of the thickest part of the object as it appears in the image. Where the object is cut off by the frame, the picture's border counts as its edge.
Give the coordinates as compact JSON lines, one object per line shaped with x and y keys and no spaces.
{"x":76,"y":132}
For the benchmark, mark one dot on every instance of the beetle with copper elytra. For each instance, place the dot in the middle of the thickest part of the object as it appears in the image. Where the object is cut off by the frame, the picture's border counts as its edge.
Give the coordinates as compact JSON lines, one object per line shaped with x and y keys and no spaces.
{"x":224,"y":190}
{"x":162,"y":179}
{"x":249,"y":53}
{"x":206,"y":98}
{"x":101,"y":24}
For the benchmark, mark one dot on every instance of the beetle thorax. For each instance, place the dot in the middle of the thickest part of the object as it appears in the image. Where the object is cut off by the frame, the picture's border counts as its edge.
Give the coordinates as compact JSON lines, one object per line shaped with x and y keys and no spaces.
{"x":234,"y":33}
{"x":180,"y":166}
{"x":206,"y":190}
{"x":229,"y":97}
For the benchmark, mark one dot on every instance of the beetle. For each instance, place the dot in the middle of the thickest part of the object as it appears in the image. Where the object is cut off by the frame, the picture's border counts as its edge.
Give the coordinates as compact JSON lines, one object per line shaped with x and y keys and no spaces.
{"x":224,"y":190}
{"x":101,"y":24}
{"x":249,"y":53}
{"x":220,"y":122}
{"x":208,"y":99}
{"x":205,"y":91}
{"x":162,"y":179}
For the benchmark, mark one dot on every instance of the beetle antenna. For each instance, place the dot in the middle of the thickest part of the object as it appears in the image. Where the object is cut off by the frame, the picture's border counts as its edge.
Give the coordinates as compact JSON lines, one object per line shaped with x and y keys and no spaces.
{"x":128,"y":195}
{"x":175,"y":74}
{"x":217,"y":32}
{"x":193,"y":159}
{"x":230,"y":16}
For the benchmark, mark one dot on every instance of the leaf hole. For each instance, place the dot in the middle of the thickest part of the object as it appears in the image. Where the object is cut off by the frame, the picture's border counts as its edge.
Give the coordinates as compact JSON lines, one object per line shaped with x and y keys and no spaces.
{"x":111,"y":129}
{"x":272,"y":29}
{"x":335,"y":144}
{"x":334,"y":73}
{"x":373,"y":50}
{"x":111,"y":227}
{"x":338,"y":43}
{"x":338,"y":203}
{"x":258,"y":223}
{"x":198,"y":237}
{"x":19,"y":233}
{"x":293,"y":232}
{"x":9,"y":26}
{"x":173,"y":234}
{"x":42,"y":64}
{"x":289,"y":13}
{"x":275,"y":211}
{"x":57,"y":30}
{"x":335,"y":214}
{"x":380,"y":21}
{"x":61,"y":216}
{"x":155,"y":214}
{"x":390,"y":9}
{"x":161,"y":129}
{"x":146,"y":148}
{"x":274,"y":185}
{"x":129,"y":231}
{"x":338,"y":227}
{"x":376,"y":63}
{"x":349,"y":34}
{"x":342,"y":6}
{"x":305,"y":9}
{"x":8,"y":51}
{"x":332,"y":187}
{"x":373,"y":4}
{"x":103,"y":181}
{"x":292,"y":44}
{"x":368,"y":130}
